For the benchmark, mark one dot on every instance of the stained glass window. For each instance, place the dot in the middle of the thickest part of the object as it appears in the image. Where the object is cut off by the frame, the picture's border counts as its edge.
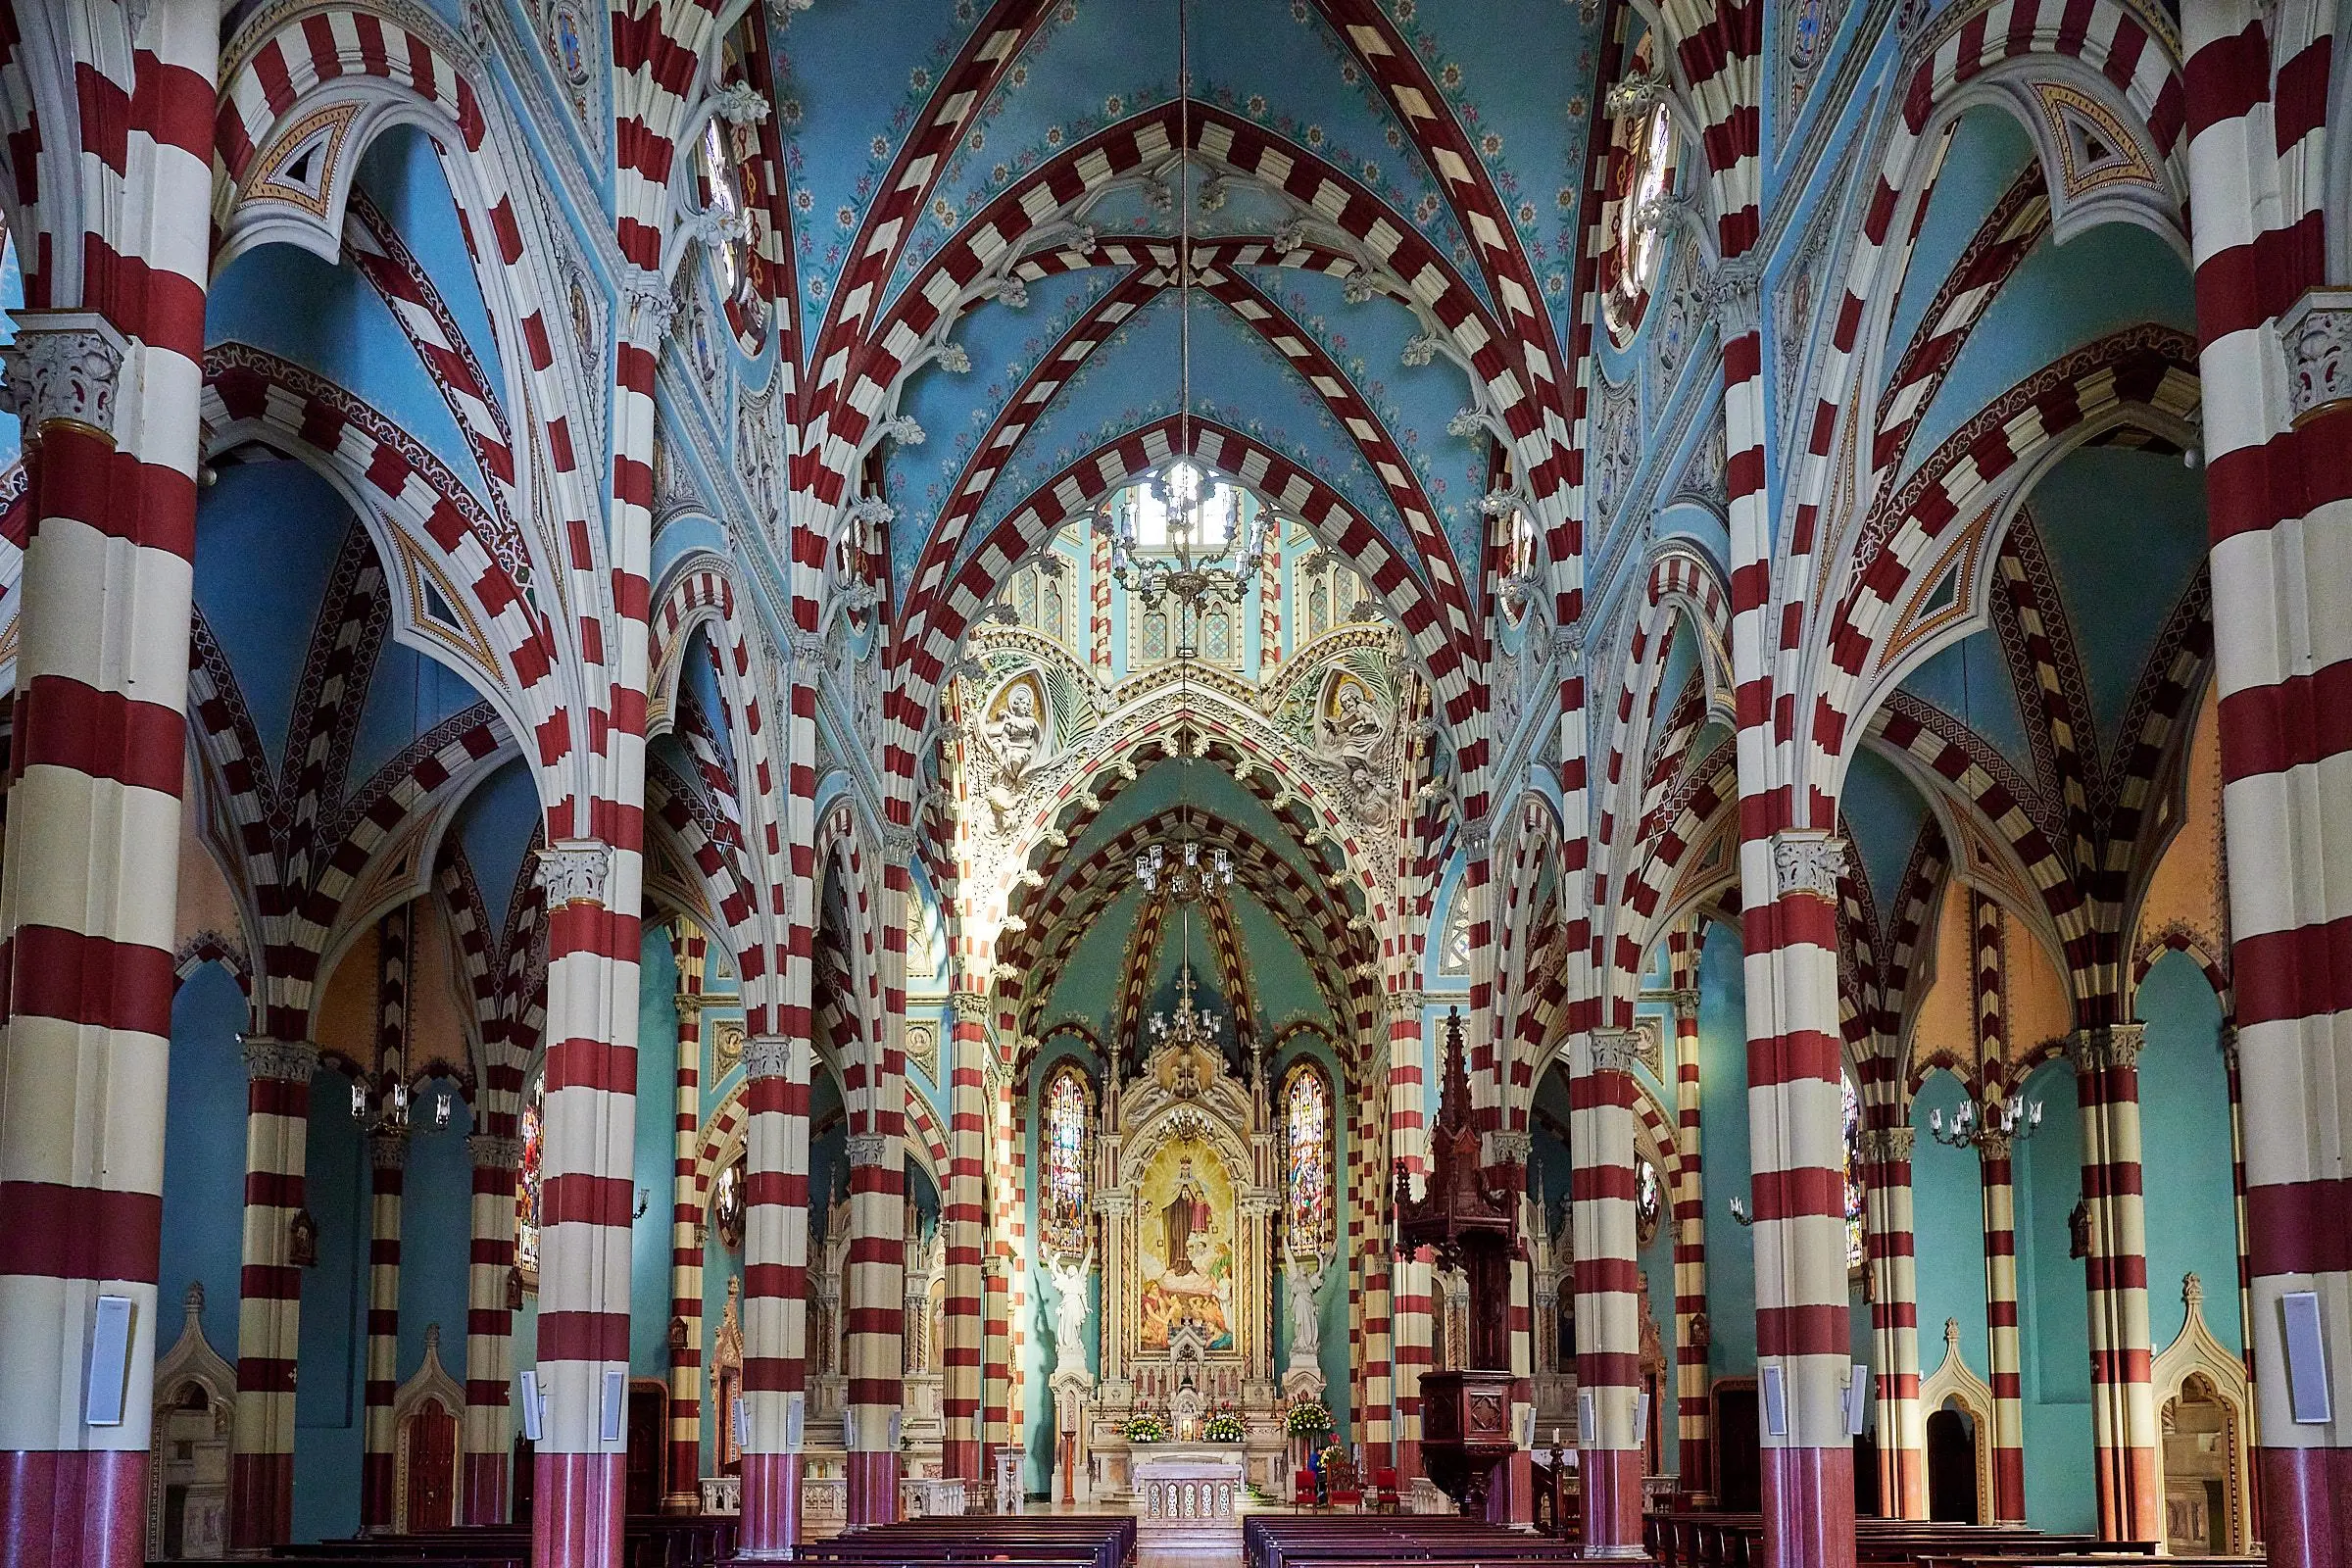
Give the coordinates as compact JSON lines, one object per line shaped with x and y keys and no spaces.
{"x":1642,"y":169}
{"x":1649,"y":1201}
{"x":1853,"y":1175}
{"x":1063,"y":1204}
{"x":1306,"y":1121}
{"x":527,"y":1202}
{"x":1156,"y":636}
{"x":1318,"y":609}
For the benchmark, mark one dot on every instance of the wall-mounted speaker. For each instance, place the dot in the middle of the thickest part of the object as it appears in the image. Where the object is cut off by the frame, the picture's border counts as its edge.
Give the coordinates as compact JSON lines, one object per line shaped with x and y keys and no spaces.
{"x":109,"y":1360}
{"x":534,"y":1407}
{"x":1857,"y":1401}
{"x":613,"y":1405}
{"x":2308,"y":1398}
{"x":1774,"y":1388}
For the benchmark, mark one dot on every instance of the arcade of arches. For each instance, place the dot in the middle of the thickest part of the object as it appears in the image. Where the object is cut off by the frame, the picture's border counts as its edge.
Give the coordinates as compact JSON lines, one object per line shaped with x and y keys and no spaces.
{"x":631,"y":889}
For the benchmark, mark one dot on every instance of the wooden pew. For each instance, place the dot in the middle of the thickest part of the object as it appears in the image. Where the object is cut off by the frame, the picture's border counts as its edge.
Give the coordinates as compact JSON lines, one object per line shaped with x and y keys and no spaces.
{"x":1274,"y":1541}
{"x":1071,"y":1540}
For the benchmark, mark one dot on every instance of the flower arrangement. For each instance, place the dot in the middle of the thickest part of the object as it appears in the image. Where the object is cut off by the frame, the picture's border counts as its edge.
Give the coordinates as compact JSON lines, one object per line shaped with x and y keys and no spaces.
{"x":1307,"y":1418}
{"x":1145,"y":1428}
{"x":1223,"y":1426}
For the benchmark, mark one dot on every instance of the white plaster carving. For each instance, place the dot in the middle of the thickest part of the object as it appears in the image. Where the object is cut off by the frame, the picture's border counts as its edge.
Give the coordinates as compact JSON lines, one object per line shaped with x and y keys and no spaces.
{"x":574,"y":871}
{"x":290,"y":1061}
{"x":64,"y":365}
{"x":2316,"y":337}
{"x":1615,"y":1049}
{"x":767,"y":1057}
{"x":1807,"y":861}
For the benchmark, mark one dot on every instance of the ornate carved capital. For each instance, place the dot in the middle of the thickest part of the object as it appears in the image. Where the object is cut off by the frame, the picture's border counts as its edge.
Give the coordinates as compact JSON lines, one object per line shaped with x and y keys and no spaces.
{"x":1568,"y":647}
{"x":388,"y":1150}
{"x":2315,"y":338}
{"x":870,"y":1148}
{"x":1407,"y":1007}
{"x":690,"y":1006}
{"x":900,"y":844}
{"x":574,"y":871}
{"x":807,"y":647}
{"x":1684,"y":1002}
{"x":971,"y":1006}
{"x":1994,"y":1146}
{"x":1614,"y":1050}
{"x":767,"y":1057}
{"x":1883,"y":1146}
{"x":1807,"y":861}
{"x":1633,"y":94}
{"x":290,"y":1061}
{"x":489,"y":1152}
{"x":2107,"y":1045}
{"x":647,"y":309}
{"x":1734,"y":293}
{"x":1477,"y":834}
{"x":1115,"y":1205}
{"x":63,"y":369}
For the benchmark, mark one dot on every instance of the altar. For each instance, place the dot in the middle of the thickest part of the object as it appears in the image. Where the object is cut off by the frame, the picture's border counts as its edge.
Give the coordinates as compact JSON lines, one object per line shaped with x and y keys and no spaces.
{"x":1186,"y":1492}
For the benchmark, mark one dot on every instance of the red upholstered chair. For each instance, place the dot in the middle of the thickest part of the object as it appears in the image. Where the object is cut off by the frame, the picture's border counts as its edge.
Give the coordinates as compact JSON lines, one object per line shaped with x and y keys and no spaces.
{"x":1340,"y":1487}
{"x":1302,"y":1488}
{"x":1385,"y":1496}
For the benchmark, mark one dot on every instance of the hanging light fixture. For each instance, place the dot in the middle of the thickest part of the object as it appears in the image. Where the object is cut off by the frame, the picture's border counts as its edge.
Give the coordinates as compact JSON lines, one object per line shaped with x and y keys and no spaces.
{"x":1181,"y":534}
{"x":1189,"y":1024}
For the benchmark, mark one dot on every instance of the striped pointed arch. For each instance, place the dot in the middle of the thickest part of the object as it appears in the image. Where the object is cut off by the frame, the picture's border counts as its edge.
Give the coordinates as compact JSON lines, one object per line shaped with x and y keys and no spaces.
{"x":697,"y":593}
{"x":934,"y":629}
{"x":847,"y":870}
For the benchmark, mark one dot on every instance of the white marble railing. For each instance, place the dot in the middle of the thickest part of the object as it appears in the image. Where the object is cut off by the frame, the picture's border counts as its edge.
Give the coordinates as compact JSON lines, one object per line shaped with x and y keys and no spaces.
{"x":931,"y":1499}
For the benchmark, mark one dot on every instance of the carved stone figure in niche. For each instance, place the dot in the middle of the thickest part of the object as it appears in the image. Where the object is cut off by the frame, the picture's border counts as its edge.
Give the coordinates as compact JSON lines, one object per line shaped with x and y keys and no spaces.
{"x":1015,"y":731}
{"x":727,"y":1377}
{"x":727,"y":1207}
{"x":1352,"y":730}
{"x":1069,"y":1276}
{"x":1306,"y":1321}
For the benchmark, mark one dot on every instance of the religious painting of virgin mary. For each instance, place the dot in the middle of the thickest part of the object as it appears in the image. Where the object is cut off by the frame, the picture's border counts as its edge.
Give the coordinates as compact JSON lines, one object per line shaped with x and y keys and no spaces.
{"x":1187,"y":1248}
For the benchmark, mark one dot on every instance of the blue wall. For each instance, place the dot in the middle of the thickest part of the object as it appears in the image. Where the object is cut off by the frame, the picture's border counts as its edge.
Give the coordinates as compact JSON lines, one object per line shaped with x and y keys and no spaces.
{"x":2185,"y":1146}
{"x":204,"y":1159}
{"x":1947,"y":1204}
{"x":657,"y":1155}
{"x":1723,"y":1133}
{"x":327,"y":1435}
{"x":2053,"y":1313}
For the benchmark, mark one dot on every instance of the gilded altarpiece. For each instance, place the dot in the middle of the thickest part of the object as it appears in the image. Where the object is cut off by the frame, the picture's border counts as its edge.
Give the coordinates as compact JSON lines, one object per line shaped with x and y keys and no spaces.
{"x":1186,"y":1191}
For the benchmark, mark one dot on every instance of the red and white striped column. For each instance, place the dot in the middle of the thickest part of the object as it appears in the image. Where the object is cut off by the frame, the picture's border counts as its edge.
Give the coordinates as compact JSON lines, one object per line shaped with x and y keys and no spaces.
{"x":1890,"y":1250}
{"x":1413,"y":1285}
{"x":775,"y":1294}
{"x":874,"y":1312}
{"x":2003,"y":1352}
{"x":277,"y":1137}
{"x":684,"y":1491}
{"x":1796,"y":1138}
{"x":2128,"y":1476}
{"x":1369,"y":1198}
{"x":489,"y":1327}
{"x":388,"y":1175}
{"x":586,"y":1192}
{"x":1695,"y":1415}
{"x":2277,"y":423}
{"x":963,"y":1216}
{"x":1004,"y":1201}
{"x":107,"y":403}
{"x":1603,"y":1227}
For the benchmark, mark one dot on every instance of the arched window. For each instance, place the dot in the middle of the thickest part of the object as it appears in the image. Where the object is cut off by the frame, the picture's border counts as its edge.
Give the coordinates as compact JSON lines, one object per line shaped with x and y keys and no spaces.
{"x":1853,"y":1174}
{"x":1306,"y":1160}
{"x":1642,"y":169}
{"x":1649,"y":1201}
{"x":1068,"y":1121}
{"x":528,"y":1201}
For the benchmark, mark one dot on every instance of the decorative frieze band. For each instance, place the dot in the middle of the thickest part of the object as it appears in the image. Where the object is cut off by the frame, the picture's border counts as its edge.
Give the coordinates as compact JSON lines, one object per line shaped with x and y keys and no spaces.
{"x":290,"y":1061}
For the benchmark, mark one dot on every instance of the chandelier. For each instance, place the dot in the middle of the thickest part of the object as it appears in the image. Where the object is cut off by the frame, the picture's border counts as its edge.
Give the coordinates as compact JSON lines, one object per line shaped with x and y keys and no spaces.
{"x":1180,"y":533}
{"x":1189,"y":1025}
{"x":1193,"y":876}
{"x":1973,"y":1128}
